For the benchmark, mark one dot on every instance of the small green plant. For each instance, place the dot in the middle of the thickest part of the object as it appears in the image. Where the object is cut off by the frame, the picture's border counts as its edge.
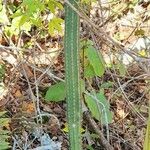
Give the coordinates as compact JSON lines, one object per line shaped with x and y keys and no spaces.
{"x":94,"y":66}
{"x":93,"y":60}
{"x":96,"y":101}
{"x":31,"y":13}
{"x":4,"y":134}
{"x":99,"y":107}
{"x":56,"y":92}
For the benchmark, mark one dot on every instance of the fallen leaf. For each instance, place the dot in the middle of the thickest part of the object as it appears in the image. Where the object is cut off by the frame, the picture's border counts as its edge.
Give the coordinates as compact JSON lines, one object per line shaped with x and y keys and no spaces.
{"x":28,"y":107}
{"x":18,"y":94}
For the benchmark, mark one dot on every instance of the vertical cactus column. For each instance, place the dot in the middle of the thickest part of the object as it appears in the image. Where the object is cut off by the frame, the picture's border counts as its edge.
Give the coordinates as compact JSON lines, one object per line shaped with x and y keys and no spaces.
{"x":71,"y":46}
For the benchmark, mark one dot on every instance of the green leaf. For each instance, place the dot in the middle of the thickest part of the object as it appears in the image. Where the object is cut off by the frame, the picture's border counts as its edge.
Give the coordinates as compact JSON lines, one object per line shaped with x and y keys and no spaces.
{"x":2,"y":113}
{"x":37,"y":22}
{"x":3,"y":137}
{"x":87,"y":1}
{"x":4,"y":122}
{"x":52,"y":4}
{"x":56,"y":92}
{"x":4,"y":145}
{"x":94,"y":107}
{"x":89,"y":71}
{"x":96,"y":60}
{"x":33,"y":6}
{"x":18,"y":13}
{"x":99,"y":108}
{"x":23,"y":19}
{"x":19,"y":23}
{"x":4,"y":133}
{"x":55,"y":25}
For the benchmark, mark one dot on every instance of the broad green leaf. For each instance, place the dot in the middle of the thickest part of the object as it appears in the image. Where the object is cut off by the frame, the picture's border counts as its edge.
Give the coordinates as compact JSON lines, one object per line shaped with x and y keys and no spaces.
{"x":18,"y":13}
{"x":89,"y":71}
{"x":89,"y":147}
{"x":95,"y":60}
{"x":4,"y":132}
{"x":89,"y":43}
{"x":99,"y":109}
{"x":107,"y":117}
{"x":17,"y":25}
{"x":4,"y":122}
{"x":4,"y":145}
{"x":56,"y":92}
{"x":33,"y":6}
{"x":23,"y":19}
{"x":94,"y":107}
{"x":101,"y":97}
{"x":2,"y":113}
{"x":55,"y":25}
{"x":52,"y":4}
{"x":3,"y":137}
{"x":51,"y":7}
{"x":37,"y":22}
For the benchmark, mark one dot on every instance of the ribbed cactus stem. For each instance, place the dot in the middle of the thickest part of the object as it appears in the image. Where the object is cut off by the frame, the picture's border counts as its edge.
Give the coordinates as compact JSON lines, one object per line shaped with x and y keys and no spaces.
{"x":71,"y":46}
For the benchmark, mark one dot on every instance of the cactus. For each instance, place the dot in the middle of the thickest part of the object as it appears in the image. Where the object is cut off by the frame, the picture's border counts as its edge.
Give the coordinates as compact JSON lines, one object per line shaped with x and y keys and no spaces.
{"x":71,"y":45}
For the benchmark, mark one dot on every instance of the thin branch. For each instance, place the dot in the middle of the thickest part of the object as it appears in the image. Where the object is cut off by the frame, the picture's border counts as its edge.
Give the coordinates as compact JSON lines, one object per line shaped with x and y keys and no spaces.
{"x":102,"y":139}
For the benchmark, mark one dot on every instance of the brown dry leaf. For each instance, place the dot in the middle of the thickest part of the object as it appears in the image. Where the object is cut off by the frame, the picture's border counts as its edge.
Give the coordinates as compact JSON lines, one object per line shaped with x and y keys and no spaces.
{"x":54,"y":125}
{"x":120,"y":109}
{"x":28,"y":71}
{"x":121,"y":114}
{"x":117,"y":146}
{"x":3,"y":91}
{"x":18,"y":94}
{"x":28,"y":107}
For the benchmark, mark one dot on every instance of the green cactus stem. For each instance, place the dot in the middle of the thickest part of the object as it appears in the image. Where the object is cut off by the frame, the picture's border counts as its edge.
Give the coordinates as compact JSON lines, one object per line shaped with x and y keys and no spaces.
{"x":71,"y":45}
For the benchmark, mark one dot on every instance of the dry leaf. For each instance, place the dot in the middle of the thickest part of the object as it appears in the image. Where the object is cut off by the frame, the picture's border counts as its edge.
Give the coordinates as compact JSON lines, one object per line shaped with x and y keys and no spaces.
{"x":28,"y":107}
{"x":18,"y":94}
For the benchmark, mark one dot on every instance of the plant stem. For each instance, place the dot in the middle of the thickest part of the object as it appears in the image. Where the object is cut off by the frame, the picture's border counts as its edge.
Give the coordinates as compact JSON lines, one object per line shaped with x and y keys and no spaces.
{"x":71,"y":46}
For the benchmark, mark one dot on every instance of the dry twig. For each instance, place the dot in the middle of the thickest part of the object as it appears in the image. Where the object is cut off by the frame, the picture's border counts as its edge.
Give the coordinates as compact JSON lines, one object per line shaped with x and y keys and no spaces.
{"x":102,"y":139}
